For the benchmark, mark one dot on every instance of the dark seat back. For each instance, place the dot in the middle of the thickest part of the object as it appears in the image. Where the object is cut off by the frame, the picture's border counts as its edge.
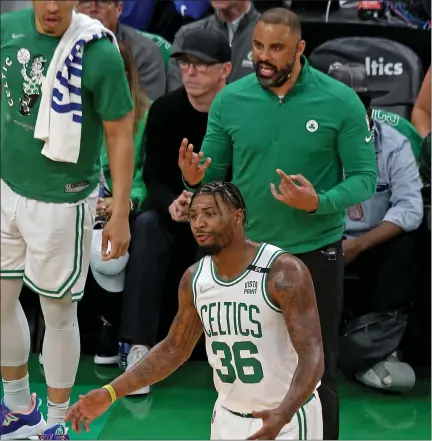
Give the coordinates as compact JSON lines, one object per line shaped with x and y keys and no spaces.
{"x":391,"y":66}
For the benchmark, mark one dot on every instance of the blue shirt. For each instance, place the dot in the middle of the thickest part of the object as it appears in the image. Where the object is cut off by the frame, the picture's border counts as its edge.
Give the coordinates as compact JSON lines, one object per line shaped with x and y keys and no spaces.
{"x":398,"y":196}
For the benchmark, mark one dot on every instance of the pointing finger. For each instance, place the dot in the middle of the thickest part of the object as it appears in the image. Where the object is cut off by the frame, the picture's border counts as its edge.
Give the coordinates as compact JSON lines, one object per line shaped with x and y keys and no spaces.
{"x":285,"y":178}
{"x":301,"y":180}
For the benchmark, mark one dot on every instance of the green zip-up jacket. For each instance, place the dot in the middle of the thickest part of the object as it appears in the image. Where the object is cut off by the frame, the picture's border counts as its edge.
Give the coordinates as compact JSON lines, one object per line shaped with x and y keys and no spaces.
{"x":320,"y":130}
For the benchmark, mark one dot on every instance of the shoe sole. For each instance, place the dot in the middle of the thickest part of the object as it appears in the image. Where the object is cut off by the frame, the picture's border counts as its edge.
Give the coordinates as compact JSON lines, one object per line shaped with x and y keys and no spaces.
{"x":106,"y":360}
{"x":25,"y":432}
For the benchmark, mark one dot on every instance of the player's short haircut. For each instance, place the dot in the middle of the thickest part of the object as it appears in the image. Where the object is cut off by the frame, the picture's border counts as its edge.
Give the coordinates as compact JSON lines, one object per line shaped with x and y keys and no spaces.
{"x":229,"y":194}
{"x":282,"y":16}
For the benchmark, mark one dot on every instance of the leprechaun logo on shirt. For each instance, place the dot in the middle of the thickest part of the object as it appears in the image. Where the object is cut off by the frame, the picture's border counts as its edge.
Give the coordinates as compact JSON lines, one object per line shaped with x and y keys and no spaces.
{"x":32,"y":72}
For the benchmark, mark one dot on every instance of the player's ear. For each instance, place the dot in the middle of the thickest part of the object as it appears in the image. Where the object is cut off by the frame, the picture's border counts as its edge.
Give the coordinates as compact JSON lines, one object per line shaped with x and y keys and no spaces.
{"x":238,"y":217}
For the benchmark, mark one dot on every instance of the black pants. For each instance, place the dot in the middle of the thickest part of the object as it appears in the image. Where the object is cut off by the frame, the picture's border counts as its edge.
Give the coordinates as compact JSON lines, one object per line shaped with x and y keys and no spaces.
{"x":155,"y":240}
{"x":327,"y":271}
{"x":386,"y":277}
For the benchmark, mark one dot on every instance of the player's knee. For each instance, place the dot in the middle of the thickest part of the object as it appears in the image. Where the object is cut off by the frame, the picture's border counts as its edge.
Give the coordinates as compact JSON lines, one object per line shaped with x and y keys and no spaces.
{"x":9,"y":299}
{"x":60,"y":314}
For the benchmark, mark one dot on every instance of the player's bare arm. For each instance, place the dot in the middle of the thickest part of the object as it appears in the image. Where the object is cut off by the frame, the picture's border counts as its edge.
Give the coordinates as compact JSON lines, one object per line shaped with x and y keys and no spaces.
{"x":290,"y":285}
{"x":160,"y":362}
{"x":119,"y":144}
{"x":172,"y":352}
{"x":120,"y":149}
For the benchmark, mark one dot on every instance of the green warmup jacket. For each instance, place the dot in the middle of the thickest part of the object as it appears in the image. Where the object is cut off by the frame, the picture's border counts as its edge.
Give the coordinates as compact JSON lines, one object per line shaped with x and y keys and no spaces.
{"x":320,"y":130}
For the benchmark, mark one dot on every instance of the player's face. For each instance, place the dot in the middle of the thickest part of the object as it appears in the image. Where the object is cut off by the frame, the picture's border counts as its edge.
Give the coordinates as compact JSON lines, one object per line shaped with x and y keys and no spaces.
{"x":106,"y":11}
{"x":53,"y":17}
{"x":212,"y":223}
{"x":275,"y":51}
{"x":200,"y":78}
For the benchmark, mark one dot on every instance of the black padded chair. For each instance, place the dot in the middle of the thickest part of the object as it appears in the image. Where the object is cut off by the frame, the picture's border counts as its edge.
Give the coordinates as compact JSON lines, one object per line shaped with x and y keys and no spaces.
{"x":391,"y":66}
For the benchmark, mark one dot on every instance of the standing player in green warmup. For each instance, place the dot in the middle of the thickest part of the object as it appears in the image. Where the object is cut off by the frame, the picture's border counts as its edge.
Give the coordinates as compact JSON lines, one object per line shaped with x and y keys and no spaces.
{"x":48,"y":205}
{"x":293,"y":122}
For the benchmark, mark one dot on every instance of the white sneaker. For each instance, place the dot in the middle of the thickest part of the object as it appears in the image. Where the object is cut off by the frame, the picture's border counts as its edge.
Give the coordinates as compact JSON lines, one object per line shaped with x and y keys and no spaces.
{"x":136,"y":353}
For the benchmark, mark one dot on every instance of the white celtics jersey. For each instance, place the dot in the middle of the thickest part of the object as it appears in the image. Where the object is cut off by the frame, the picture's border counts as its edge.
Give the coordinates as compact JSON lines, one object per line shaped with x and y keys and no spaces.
{"x":247,"y":340}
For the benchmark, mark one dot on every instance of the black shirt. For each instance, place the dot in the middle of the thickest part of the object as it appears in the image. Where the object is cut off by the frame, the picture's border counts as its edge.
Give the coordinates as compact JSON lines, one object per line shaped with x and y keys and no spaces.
{"x":171,"y":118}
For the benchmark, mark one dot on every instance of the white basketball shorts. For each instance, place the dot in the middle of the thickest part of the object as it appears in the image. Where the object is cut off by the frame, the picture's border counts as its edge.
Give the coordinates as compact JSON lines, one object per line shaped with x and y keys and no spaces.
{"x":47,"y":245}
{"x":306,"y":424}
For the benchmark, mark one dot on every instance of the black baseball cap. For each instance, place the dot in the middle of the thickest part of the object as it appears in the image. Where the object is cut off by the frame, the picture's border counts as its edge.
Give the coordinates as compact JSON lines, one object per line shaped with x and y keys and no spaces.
{"x":355,"y":76}
{"x":207,"y":45}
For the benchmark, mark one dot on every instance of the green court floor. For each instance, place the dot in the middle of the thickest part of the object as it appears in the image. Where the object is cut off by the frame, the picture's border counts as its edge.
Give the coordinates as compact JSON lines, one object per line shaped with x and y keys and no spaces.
{"x":181,"y":407}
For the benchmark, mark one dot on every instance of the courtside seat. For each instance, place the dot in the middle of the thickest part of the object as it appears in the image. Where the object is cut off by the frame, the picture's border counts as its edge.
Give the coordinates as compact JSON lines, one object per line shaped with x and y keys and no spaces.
{"x":391,"y":66}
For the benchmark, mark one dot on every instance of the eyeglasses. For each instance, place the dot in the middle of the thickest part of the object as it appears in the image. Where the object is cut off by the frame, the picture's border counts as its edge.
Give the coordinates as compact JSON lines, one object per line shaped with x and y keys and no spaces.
{"x":99,"y":3}
{"x":199,"y":66}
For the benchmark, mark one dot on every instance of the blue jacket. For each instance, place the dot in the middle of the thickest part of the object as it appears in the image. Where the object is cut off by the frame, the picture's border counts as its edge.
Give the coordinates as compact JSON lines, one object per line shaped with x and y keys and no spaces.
{"x":137,"y":13}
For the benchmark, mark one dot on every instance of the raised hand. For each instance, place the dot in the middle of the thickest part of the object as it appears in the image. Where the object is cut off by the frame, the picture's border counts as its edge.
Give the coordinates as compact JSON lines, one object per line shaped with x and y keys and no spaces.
{"x":179,"y":209}
{"x":189,"y":163}
{"x":302,"y":196}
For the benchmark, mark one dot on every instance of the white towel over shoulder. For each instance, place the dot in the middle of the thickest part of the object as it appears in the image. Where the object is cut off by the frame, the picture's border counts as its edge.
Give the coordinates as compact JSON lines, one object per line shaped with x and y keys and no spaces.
{"x":59,"y":119}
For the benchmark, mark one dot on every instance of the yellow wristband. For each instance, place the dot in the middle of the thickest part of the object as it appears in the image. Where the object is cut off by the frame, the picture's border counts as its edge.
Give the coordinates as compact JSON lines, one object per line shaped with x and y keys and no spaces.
{"x":111,"y":391}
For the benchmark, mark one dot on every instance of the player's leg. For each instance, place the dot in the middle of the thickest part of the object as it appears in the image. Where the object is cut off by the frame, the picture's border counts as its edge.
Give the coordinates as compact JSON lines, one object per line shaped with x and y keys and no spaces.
{"x":61,"y":350}
{"x":59,"y":237}
{"x":19,"y":416}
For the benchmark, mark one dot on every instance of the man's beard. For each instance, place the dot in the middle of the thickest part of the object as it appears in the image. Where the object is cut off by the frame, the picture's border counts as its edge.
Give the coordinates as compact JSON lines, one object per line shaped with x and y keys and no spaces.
{"x":280,"y":76}
{"x":210,"y":250}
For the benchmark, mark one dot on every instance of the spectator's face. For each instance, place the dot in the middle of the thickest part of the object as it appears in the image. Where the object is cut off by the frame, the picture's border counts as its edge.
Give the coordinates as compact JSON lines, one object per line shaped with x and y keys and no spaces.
{"x":200,"y":78}
{"x":226,"y":5}
{"x":53,"y":17}
{"x":275,"y":52}
{"x":213,"y":224}
{"x":106,"y":11}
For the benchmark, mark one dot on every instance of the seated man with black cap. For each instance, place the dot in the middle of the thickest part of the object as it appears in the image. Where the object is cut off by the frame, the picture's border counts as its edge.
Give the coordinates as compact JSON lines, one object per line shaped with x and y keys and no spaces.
{"x":379,"y":246}
{"x":204,"y":60}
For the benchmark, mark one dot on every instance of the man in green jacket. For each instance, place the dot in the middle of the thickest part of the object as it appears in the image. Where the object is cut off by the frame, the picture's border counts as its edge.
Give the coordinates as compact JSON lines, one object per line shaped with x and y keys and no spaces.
{"x":291,"y":123}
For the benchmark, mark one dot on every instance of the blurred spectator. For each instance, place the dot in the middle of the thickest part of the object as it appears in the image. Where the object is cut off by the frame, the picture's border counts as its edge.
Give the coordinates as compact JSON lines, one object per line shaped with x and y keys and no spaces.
{"x":379,"y":249}
{"x":235,"y":19}
{"x":205,"y":65}
{"x":147,"y":55}
{"x":421,"y":115}
{"x":425,"y":173}
{"x":110,"y":274}
{"x":14,"y":5}
{"x":402,"y":125}
{"x":195,"y":9}
{"x":163,"y":45}
{"x":293,"y":123}
{"x":137,"y":13}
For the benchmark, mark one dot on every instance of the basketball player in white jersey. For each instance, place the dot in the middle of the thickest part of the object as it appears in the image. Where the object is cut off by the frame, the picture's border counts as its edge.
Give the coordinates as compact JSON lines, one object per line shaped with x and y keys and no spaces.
{"x":256,"y":306}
